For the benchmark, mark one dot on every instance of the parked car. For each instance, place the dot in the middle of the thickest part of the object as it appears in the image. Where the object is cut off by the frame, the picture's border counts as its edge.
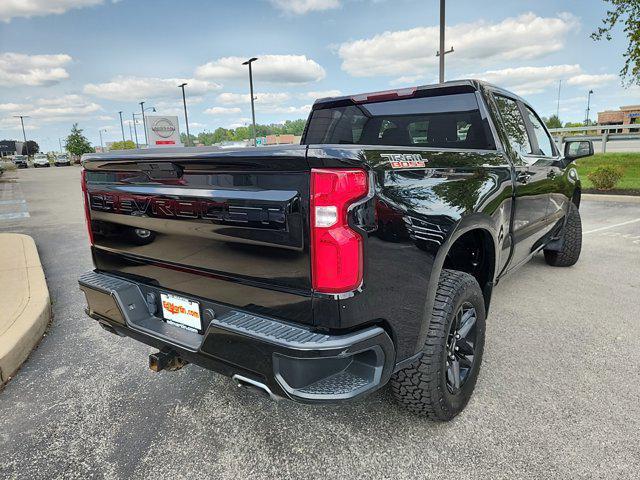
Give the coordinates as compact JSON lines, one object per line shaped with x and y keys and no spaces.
{"x":320,"y":272}
{"x":21,"y":161}
{"x":62,"y":160}
{"x":41,"y":160}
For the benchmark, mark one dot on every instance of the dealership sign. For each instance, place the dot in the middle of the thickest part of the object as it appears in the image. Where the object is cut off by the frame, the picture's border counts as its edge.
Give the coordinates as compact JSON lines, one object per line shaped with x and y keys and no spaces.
{"x":163,"y":131}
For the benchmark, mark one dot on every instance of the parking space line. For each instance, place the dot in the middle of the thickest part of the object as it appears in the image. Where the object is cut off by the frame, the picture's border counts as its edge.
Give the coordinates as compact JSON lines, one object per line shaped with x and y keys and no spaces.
{"x":13,"y":215}
{"x":613,"y":226}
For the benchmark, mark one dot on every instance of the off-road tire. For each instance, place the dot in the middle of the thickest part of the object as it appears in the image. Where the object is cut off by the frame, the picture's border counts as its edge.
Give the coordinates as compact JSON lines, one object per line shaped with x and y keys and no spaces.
{"x":422,"y":387}
{"x":569,"y":254}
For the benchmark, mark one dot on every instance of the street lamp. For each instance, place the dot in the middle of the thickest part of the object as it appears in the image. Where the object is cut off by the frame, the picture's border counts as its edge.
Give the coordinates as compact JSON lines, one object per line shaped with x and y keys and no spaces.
{"x":153,"y":109}
{"x":253,"y":110}
{"x":24,"y":135}
{"x":133,"y":116}
{"x":186,"y":119}
{"x":101,"y":144}
{"x":586,"y":122}
{"x":122,"y":127}
{"x":144,"y":124}
{"x":441,"y":52}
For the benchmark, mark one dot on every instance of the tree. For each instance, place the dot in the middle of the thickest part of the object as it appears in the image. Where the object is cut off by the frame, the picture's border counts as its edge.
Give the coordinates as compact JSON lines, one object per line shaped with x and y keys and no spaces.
{"x":33,"y":147}
{"x":245,"y":132}
{"x":76,"y":143}
{"x":552,"y":122}
{"x":626,"y":13}
{"x":126,"y":145}
{"x":192,"y":137}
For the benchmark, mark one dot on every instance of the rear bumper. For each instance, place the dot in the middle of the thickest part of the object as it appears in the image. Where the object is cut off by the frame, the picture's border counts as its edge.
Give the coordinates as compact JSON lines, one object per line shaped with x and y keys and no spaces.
{"x":290,"y":361}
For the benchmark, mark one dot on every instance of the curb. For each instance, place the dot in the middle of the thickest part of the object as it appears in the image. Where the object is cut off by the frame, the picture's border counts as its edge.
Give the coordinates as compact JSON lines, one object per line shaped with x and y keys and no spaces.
{"x":610,"y":198}
{"x":26,"y":304}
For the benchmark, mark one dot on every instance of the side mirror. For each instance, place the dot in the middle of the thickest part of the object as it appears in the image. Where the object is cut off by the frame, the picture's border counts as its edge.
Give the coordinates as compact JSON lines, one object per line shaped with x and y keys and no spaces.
{"x":577,"y":149}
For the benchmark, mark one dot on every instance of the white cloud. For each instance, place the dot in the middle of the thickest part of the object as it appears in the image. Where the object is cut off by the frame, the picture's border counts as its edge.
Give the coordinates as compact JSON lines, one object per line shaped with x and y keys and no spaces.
{"x":300,"y":7}
{"x":10,"y":107}
{"x":62,"y":108}
{"x":32,"y":70}
{"x":304,"y":110}
{"x":320,"y":94}
{"x":286,"y":69}
{"x":245,"y":99}
{"x":529,"y":80}
{"x":240,"y":122}
{"x":35,"y":8}
{"x":412,"y":52}
{"x":407,"y":80}
{"x":532,"y":80}
{"x":223,"y":111}
{"x":130,"y":89}
{"x":586,"y":80}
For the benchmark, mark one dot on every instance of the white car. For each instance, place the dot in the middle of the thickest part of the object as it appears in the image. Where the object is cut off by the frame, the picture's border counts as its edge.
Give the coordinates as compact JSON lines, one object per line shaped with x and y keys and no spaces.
{"x":41,"y":160}
{"x":62,"y":160}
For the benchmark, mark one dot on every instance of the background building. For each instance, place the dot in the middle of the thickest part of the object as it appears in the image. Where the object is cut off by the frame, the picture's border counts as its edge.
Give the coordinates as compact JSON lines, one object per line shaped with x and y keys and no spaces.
{"x":626,"y":115}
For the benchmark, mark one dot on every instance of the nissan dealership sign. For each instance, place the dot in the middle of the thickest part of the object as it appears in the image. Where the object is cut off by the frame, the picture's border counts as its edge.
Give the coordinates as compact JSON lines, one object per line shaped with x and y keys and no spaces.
{"x":163,"y":131}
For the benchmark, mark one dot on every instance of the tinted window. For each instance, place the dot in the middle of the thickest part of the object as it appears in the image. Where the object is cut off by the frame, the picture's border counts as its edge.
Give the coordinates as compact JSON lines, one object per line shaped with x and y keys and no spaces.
{"x":544,"y":142}
{"x":513,"y":124}
{"x":446,"y":121}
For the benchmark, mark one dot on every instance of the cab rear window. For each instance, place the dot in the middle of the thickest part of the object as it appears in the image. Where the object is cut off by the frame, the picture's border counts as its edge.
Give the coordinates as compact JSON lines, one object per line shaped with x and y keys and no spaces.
{"x":445,"y":121}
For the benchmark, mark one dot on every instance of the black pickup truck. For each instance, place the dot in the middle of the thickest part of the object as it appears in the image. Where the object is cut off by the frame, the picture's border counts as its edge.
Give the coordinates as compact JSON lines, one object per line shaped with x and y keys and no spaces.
{"x":320,"y":272}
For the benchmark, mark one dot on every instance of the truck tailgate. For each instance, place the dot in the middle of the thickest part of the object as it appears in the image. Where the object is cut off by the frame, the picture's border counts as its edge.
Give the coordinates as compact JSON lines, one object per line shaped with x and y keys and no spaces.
{"x":229,"y":227}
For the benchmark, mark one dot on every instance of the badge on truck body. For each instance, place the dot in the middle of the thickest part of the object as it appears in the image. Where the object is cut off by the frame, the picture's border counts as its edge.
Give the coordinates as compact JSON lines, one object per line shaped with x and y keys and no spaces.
{"x":405,"y":160}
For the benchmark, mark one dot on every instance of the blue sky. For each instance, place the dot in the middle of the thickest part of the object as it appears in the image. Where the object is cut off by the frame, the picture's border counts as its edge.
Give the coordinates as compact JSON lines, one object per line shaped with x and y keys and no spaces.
{"x":84,"y":60}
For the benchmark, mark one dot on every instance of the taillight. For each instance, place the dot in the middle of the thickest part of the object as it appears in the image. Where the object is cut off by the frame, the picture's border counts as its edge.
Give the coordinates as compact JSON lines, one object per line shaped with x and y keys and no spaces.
{"x":336,"y":249}
{"x":85,"y":197}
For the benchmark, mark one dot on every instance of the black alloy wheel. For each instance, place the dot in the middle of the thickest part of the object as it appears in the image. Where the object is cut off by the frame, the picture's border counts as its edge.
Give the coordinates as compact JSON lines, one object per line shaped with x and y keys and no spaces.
{"x":461,"y":347}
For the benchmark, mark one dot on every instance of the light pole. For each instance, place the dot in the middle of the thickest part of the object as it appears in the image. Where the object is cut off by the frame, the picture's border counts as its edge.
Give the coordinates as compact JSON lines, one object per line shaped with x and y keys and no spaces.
{"x":253,"y":109}
{"x":24,"y":135}
{"x":60,"y":142}
{"x":144,"y":124}
{"x":122,"y":127}
{"x":441,"y":52}
{"x":101,"y":144}
{"x":130,"y":132}
{"x":186,"y":119}
{"x":558,"y":105}
{"x":133,"y":116}
{"x":586,"y":122}
{"x":153,"y":109}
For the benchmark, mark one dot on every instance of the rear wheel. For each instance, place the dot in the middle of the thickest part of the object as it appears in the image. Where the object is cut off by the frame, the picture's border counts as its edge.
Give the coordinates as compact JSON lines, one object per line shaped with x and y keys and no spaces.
{"x":439,"y":385}
{"x":569,"y":252}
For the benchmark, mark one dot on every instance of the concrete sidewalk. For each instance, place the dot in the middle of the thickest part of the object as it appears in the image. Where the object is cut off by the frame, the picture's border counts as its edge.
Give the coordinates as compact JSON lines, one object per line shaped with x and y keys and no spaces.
{"x":24,"y":296}
{"x":600,"y":197}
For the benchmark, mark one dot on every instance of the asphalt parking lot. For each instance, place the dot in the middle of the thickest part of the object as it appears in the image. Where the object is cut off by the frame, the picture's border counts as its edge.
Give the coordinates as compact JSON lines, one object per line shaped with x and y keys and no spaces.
{"x":558,"y":395}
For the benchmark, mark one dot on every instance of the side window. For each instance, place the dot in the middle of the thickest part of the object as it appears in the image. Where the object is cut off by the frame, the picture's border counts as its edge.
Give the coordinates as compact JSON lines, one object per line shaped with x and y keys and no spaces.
{"x":513,"y":124}
{"x":544,"y":142}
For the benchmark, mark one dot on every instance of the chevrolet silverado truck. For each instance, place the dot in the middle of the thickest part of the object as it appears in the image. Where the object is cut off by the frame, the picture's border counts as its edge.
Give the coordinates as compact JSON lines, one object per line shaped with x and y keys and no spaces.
{"x":367,"y":255}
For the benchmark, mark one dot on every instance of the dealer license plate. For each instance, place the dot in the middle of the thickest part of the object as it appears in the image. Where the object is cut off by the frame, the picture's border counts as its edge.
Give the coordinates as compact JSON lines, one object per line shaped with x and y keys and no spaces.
{"x":181,"y":311}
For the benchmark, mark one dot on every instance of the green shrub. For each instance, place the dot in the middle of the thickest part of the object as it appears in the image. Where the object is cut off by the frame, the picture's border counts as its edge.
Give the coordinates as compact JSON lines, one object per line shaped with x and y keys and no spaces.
{"x":606,"y":177}
{"x":8,"y":166}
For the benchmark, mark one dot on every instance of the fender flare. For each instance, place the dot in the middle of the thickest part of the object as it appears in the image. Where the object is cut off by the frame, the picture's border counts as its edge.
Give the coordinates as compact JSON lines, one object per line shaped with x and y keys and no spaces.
{"x":475,"y":221}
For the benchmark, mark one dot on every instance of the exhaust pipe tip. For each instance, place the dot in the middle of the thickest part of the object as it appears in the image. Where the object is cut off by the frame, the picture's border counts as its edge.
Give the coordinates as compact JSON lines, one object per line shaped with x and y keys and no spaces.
{"x":256,"y":386}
